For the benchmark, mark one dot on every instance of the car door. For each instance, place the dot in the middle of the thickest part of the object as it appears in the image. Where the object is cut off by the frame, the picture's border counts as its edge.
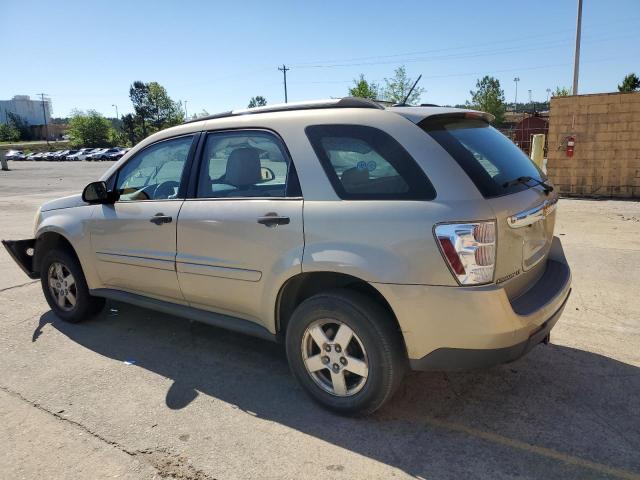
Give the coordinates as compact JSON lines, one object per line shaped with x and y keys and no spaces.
{"x":134,"y":240}
{"x":242,"y":234}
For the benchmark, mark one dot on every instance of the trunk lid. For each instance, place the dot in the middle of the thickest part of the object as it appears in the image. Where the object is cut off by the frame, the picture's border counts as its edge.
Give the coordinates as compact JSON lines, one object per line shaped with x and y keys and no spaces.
{"x":524,"y":230}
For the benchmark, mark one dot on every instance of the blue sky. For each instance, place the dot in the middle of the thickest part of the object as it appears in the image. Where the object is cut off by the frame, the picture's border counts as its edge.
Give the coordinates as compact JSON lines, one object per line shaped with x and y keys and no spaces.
{"x":216,"y":55}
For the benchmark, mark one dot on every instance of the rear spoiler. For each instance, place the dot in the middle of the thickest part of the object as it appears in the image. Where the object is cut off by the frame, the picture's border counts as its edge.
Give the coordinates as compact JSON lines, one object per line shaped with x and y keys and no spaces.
{"x":437,"y":118}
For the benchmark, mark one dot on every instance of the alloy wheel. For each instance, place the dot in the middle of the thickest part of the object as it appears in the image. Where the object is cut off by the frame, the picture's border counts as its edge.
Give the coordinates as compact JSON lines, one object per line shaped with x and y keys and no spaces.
{"x":335,"y":357}
{"x":62,"y":286}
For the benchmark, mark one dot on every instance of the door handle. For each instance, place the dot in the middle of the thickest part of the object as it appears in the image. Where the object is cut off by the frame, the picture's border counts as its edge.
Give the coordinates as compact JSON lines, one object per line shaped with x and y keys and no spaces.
{"x":272,"y":219}
{"x":160,"y":218}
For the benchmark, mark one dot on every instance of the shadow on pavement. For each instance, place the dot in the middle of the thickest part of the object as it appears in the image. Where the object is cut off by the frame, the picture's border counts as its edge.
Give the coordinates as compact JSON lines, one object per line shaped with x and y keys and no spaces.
{"x":557,"y":413}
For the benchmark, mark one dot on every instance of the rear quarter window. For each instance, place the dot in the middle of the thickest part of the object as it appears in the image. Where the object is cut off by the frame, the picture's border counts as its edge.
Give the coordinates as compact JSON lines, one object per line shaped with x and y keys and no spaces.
{"x":365,"y":163}
{"x":488,"y":157}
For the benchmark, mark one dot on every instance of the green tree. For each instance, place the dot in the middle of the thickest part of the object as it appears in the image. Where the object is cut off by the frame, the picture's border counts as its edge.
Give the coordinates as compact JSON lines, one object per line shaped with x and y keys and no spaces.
{"x":139,"y":94}
{"x":90,"y":129}
{"x":560,"y":92}
{"x":398,"y":87}
{"x":203,"y":113}
{"x":489,"y":97}
{"x":9,"y":133}
{"x":164,"y":111}
{"x":129,"y":128}
{"x":257,"y":101}
{"x":363,"y":89}
{"x":153,"y":108}
{"x":631,"y":83}
{"x":20,"y":124}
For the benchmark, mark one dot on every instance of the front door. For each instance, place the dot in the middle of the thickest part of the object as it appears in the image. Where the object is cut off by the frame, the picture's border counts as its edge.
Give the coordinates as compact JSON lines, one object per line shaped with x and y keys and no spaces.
{"x":242,"y":235}
{"x":134,"y":240}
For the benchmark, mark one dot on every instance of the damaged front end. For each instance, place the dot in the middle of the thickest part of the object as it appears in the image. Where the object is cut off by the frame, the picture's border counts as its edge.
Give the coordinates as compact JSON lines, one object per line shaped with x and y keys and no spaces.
{"x":23,"y":252}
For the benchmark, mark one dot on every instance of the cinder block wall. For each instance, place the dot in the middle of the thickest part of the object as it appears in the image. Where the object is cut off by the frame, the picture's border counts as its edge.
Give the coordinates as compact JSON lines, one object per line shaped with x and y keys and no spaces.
{"x":606,"y":159}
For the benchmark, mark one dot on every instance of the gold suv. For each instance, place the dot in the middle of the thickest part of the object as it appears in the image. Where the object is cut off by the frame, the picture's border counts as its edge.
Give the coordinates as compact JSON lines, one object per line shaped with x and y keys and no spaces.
{"x":368,"y":240}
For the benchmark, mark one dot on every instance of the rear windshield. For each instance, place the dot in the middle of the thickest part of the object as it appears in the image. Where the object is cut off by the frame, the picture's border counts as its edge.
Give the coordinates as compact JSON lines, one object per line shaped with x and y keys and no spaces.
{"x":488,"y":157}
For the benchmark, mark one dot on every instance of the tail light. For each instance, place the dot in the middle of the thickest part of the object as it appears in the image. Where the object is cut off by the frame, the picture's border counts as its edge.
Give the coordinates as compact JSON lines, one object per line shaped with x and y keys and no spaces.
{"x":469,"y":250}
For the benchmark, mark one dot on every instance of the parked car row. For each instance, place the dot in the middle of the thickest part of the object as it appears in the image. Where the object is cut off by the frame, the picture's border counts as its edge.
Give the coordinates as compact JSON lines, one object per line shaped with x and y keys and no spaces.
{"x":90,"y":154}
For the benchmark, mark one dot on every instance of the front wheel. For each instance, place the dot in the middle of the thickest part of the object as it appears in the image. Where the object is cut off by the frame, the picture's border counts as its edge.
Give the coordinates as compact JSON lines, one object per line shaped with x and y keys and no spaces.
{"x":65,"y":287}
{"x":346,"y":351}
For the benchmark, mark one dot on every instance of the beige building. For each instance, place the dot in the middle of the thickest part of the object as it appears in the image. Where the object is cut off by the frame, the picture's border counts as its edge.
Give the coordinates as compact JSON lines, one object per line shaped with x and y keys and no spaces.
{"x":606,"y":156}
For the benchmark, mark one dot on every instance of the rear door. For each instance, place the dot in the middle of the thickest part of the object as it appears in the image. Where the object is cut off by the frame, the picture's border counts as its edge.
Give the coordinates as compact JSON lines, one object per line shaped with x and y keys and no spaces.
{"x":242,"y":234}
{"x":134,"y":240}
{"x":525,"y":212}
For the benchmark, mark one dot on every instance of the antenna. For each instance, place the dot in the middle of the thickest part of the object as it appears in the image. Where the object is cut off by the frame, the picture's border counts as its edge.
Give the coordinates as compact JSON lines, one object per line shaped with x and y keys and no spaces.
{"x":404,"y":102}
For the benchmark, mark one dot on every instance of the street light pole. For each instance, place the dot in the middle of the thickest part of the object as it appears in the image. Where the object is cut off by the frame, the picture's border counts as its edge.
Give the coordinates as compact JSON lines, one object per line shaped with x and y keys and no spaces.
{"x":548,"y":92}
{"x":114,"y":105}
{"x":576,"y":57}
{"x":515,"y":101}
{"x":186,"y":116}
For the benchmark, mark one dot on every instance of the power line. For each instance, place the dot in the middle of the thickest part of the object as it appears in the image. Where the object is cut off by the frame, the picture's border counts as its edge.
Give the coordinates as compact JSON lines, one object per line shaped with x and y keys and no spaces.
{"x":503,"y":41}
{"x":284,"y":69}
{"x":546,"y":45}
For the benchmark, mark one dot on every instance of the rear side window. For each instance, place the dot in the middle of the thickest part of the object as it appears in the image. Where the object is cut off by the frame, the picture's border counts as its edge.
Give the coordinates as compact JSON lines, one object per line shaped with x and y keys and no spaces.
{"x":488,"y":157}
{"x":365,"y":163}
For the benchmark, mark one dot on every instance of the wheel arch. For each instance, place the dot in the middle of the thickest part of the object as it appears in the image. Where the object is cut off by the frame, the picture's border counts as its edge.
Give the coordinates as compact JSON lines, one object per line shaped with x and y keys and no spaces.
{"x":49,"y":240}
{"x":304,"y":285}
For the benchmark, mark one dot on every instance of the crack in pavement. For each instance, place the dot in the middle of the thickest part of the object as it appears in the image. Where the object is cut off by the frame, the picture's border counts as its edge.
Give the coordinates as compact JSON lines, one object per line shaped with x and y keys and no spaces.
{"x":166,"y":463}
{"x":18,"y":286}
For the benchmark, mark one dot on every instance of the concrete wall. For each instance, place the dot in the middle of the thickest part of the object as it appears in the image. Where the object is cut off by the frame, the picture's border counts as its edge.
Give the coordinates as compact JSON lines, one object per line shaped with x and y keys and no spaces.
{"x":606,"y":159}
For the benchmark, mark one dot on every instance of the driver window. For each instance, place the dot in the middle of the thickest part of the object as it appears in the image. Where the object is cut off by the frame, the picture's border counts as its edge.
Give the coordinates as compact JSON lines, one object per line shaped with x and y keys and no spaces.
{"x":243,"y":164}
{"x":154,"y":173}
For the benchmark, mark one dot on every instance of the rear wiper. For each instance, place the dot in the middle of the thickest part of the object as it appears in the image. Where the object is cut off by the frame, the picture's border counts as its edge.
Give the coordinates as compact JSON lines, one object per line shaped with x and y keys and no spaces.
{"x":547,"y":188}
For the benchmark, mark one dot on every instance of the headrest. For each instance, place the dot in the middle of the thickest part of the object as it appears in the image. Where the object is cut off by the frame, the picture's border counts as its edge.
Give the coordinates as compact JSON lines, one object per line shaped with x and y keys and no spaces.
{"x":243,"y":167}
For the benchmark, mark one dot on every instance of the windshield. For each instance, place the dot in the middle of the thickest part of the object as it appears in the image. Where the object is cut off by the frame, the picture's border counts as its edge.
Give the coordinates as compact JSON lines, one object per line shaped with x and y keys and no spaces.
{"x":488,"y":157}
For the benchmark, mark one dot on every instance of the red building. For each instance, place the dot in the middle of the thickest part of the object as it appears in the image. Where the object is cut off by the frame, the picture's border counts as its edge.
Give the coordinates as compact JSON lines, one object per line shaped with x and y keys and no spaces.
{"x":527,"y":127}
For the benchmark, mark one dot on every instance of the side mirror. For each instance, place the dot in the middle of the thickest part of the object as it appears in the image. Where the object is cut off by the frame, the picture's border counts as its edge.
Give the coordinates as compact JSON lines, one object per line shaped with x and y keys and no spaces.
{"x":96,"y":192}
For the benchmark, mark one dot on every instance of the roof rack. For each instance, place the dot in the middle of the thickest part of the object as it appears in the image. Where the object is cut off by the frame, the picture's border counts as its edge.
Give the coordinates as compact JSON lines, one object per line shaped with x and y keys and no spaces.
{"x":346,"y":102}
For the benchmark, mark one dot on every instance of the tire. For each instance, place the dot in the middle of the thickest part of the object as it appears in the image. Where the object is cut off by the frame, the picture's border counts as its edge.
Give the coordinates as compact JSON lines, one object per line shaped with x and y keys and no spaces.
{"x":376,"y":340}
{"x":85,"y":305}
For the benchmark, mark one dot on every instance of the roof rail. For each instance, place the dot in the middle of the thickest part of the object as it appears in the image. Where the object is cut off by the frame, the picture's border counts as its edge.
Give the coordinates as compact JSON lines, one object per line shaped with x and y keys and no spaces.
{"x":346,"y":102}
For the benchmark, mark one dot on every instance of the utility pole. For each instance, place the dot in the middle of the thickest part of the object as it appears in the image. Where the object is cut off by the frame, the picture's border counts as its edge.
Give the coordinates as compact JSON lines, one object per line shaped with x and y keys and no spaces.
{"x":576,"y":58}
{"x":284,"y":71}
{"x":515,"y":101}
{"x":114,"y":105}
{"x":44,"y":113}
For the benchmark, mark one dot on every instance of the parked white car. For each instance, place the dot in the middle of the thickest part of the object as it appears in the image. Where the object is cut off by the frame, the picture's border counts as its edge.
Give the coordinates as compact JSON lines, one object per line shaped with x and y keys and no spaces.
{"x":15,"y":155}
{"x":80,"y":154}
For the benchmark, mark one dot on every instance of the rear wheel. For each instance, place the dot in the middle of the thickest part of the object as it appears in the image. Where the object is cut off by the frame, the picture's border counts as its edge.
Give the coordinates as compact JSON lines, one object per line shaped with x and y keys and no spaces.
{"x":346,"y":351}
{"x":65,"y":287}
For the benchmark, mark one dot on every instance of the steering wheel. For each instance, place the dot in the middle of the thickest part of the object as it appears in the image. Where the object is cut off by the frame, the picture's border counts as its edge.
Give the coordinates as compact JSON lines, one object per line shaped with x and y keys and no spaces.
{"x":166,"y":189}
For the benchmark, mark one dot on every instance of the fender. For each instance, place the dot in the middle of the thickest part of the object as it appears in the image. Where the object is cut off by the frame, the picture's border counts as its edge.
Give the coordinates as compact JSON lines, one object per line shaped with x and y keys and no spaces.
{"x":71,"y":224}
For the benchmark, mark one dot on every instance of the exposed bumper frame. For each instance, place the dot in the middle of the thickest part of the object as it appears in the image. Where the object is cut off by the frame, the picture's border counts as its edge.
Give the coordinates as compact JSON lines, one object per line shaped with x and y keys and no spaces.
{"x":19,"y":251}
{"x":456,"y":359}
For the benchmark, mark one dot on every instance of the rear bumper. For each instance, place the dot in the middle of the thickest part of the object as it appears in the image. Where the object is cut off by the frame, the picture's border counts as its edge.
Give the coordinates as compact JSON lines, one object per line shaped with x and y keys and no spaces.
{"x":452,"y":359}
{"x":22,"y":252}
{"x":454,"y":328}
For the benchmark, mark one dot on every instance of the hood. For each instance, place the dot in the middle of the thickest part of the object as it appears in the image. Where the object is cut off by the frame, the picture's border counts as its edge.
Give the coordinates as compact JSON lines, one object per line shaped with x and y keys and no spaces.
{"x":64,"y":202}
